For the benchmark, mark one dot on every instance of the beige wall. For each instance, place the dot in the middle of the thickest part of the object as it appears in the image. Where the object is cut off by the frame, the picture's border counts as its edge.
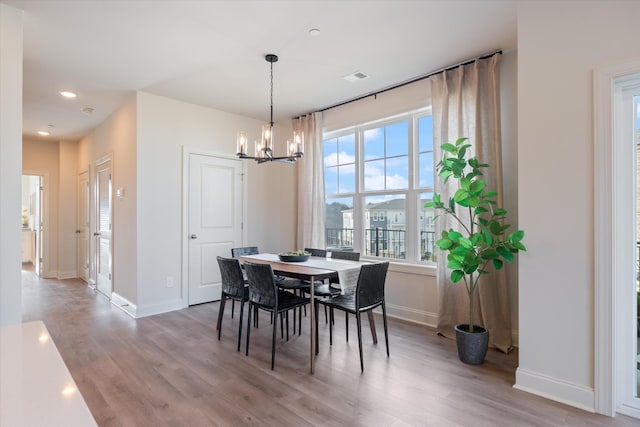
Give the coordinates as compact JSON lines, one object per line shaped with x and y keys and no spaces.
{"x":559,"y":46}
{"x":166,"y":127}
{"x":56,"y":162}
{"x":67,"y":209}
{"x":42,"y":158}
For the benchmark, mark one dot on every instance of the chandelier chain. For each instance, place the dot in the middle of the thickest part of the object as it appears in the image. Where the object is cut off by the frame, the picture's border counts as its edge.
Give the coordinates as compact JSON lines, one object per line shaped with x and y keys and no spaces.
{"x":271,"y":122}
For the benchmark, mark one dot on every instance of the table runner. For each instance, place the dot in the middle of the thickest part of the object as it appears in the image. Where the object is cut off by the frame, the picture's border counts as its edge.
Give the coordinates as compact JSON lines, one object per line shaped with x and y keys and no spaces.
{"x":348,"y":271}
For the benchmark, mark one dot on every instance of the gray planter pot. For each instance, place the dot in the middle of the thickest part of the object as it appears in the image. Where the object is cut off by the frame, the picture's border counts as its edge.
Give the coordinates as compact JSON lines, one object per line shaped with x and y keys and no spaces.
{"x":472,"y":346}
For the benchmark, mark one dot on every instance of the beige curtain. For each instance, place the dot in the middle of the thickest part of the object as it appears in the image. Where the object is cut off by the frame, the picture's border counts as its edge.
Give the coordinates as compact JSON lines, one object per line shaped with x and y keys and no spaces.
{"x":466,"y":103}
{"x":311,"y":205}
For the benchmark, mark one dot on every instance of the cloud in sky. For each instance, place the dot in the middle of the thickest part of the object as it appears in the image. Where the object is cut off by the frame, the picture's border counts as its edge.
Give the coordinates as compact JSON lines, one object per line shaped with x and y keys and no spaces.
{"x":332,"y":159}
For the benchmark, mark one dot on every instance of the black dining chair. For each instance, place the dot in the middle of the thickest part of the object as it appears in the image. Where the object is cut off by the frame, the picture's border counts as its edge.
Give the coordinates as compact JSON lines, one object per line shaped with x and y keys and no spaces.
{"x":264,"y":294}
{"x":368,"y":295}
{"x":245,"y":250}
{"x":320,"y":289}
{"x":349,"y":255}
{"x":333,"y":289}
{"x":316,"y":252}
{"x":238,"y":252}
{"x":233,"y":288}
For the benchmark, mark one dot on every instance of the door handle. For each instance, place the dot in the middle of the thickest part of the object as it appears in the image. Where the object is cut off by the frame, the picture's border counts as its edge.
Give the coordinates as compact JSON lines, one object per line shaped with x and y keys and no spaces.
{"x":96,"y":233}
{"x":193,"y":237}
{"x":77,"y":231}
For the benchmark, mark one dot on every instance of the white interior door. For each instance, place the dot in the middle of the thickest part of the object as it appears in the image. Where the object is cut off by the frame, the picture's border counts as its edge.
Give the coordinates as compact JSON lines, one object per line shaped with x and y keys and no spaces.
{"x":103,"y":232}
{"x":215,"y":221}
{"x":83,"y":226}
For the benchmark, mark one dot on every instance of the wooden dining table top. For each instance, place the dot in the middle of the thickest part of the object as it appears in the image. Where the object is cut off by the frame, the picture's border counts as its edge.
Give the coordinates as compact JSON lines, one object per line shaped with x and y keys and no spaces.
{"x":318,"y":267}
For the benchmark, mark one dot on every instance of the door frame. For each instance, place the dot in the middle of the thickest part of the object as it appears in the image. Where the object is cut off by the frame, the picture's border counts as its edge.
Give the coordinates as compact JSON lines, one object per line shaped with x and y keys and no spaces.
{"x":78,"y":232}
{"x":93,"y":272}
{"x":46,"y":233}
{"x":186,"y":153}
{"x":613,"y":219}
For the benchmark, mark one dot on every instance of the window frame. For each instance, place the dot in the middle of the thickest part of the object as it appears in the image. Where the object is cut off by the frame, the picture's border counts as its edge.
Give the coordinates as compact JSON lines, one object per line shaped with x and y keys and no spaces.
{"x":411,"y":193}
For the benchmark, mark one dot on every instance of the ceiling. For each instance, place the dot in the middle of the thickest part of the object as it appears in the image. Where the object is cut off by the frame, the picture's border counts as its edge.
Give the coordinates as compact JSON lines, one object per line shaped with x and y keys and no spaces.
{"x":211,"y":52}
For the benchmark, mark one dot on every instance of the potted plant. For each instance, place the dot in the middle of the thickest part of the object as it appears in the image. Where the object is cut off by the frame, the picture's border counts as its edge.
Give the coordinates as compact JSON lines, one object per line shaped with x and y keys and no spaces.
{"x":480,"y":241}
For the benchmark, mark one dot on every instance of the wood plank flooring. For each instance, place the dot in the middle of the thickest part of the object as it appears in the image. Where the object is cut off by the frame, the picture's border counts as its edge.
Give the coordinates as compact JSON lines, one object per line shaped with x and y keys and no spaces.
{"x":170,"y":370}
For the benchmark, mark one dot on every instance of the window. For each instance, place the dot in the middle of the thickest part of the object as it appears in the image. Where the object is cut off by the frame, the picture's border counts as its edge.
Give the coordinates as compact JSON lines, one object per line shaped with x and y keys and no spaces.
{"x":378,"y":176}
{"x":339,"y":164}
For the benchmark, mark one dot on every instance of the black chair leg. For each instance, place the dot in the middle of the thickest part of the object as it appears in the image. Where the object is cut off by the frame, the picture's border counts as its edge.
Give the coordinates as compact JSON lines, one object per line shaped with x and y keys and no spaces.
{"x":384,"y":318}
{"x":240,"y":324}
{"x":286,"y":315}
{"x":273,"y":339}
{"x":325,"y":314}
{"x":330,"y":332}
{"x":315,"y":308}
{"x":300,"y":320}
{"x":256,"y":316}
{"x":359,"y":322}
{"x":294,"y":322}
{"x":249,"y":328}
{"x":220,"y":314}
{"x":281,"y":325}
{"x":233,"y":307}
{"x":346,"y":324}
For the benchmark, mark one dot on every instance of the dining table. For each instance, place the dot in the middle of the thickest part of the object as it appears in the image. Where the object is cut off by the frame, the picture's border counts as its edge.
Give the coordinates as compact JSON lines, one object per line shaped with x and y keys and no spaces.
{"x":312,"y":270}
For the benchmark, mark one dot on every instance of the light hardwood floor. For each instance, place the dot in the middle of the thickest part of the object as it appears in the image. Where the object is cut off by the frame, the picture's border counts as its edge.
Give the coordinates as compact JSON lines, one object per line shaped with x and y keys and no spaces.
{"x":170,"y":370}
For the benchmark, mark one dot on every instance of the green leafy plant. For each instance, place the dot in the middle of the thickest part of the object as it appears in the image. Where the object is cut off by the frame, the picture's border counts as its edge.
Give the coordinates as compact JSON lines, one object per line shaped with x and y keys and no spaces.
{"x":482,"y":237}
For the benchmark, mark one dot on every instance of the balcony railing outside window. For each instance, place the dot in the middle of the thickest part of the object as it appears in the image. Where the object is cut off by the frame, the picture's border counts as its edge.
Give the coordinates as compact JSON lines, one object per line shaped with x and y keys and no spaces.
{"x":385,"y":243}
{"x":427,"y":243}
{"x":339,"y":238}
{"x":382,"y":242}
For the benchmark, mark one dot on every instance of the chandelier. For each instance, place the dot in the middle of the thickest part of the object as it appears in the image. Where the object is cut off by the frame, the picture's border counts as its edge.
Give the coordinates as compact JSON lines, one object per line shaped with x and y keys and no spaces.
{"x":264,"y":148}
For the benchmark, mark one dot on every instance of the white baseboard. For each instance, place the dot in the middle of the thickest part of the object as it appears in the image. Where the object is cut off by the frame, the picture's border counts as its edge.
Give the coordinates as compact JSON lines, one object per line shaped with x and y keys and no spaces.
{"x":629,"y":411}
{"x":124,"y":304}
{"x":48,"y":274}
{"x":412,"y":315}
{"x":164,"y":307}
{"x":70,"y":274}
{"x":556,"y":389}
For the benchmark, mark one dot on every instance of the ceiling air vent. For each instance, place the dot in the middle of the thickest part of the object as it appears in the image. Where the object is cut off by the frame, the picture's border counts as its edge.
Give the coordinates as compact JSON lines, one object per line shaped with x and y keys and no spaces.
{"x":357,"y":76}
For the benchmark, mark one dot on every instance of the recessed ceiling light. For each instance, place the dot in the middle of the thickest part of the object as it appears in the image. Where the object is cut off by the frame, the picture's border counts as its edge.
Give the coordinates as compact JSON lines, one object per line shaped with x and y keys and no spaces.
{"x":44,"y":133}
{"x":68,"y":94}
{"x":314,"y":32}
{"x":354,"y":77}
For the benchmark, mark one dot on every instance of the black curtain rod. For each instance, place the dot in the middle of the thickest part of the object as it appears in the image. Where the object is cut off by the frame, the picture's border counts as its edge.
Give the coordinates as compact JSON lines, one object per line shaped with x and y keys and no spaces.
{"x":416,"y":79}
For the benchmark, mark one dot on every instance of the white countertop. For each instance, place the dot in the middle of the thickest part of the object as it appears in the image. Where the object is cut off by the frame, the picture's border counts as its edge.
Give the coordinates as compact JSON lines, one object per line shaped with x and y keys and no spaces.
{"x":36,"y":388}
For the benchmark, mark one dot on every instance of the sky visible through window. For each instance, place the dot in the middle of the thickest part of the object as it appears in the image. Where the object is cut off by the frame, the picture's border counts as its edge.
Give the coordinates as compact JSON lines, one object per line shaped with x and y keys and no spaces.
{"x":385,"y":153}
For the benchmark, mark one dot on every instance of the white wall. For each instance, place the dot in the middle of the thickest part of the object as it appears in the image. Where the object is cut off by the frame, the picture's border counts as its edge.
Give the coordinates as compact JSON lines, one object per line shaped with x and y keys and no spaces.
{"x":116,"y":137}
{"x":559,"y":44}
{"x":10,"y":155}
{"x":165,"y":128}
{"x":67,"y":209}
